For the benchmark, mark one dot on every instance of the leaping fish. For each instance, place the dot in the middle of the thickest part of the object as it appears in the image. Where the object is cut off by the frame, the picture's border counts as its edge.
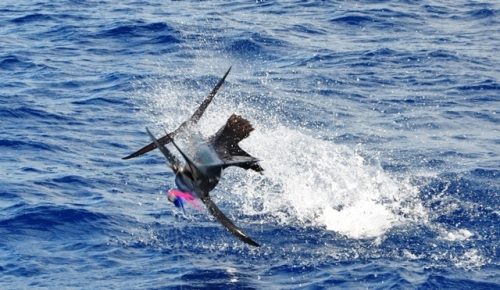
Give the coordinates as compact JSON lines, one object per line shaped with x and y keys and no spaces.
{"x":195,"y":180}
{"x":222,"y":140}
{"x":198,"y":177}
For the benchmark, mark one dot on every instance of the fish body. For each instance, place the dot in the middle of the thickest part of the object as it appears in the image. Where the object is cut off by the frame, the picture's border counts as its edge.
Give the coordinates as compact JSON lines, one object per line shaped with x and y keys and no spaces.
{"x":196,"y":177}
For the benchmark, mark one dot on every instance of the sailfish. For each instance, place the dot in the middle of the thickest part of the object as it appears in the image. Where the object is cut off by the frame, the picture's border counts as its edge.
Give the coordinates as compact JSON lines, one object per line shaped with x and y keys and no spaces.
{"x":225,"y":141}
{"x":200,"y":174}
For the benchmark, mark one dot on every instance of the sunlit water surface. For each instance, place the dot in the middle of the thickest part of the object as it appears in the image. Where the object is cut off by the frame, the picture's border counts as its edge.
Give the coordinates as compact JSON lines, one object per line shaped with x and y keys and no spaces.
{"x":376,"y":122}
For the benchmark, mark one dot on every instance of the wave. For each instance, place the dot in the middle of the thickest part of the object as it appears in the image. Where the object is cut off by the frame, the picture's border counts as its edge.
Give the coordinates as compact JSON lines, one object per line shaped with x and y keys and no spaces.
{"x":481,"y":13}
{"x":35,"y":17}
{"x":258,"y":45}
{"x":481,"y":86}
{"x":24,"y":145}
{"x":50,"y":219}
{"x":12,"y":62}
{"x":32,"y":113}
{"x":376,"y":18}
{"x":153,"y":33}
{"x":102,"y":101}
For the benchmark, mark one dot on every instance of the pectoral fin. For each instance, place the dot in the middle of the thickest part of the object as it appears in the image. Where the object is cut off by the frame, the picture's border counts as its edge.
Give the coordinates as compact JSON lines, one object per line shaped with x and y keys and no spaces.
{"x":173,"y":162}
{"x":227,"y":223}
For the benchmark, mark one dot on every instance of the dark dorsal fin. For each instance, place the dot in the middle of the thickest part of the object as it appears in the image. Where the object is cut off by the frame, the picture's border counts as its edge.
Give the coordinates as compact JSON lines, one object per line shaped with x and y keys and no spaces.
{"x":225,"y":142}
{"x":192,"y":120}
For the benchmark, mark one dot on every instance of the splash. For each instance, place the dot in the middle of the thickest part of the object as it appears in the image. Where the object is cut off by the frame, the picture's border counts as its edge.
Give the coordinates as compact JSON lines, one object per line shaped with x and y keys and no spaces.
{"x":320,"y":183}
{"x":307,"y":181}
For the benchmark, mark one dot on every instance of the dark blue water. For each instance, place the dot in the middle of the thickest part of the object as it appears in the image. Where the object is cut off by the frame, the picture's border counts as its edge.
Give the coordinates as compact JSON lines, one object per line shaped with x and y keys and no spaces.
{"x":377,"y":124}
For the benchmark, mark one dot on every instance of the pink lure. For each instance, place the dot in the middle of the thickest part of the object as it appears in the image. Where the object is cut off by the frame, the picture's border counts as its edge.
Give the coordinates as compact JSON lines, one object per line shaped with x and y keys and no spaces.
{"x":185,"y":196}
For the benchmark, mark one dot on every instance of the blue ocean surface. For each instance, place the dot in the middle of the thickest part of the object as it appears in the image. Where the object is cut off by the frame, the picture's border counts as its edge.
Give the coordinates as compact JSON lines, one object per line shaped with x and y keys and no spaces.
{"x":377,"y":124}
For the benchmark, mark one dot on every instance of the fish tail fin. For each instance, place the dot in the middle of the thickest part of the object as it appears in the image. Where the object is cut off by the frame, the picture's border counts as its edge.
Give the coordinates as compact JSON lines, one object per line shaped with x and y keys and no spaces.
{"x":226,"y":140}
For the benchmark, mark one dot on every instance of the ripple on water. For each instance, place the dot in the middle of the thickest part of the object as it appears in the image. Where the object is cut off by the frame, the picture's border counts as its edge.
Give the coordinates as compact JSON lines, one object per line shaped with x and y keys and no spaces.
{"x":32,"y":18}
{"x":332,"y":89}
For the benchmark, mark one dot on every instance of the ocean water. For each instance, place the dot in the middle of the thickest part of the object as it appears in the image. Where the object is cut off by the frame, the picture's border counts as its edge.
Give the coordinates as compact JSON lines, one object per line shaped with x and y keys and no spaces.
{"x":377,"y":123}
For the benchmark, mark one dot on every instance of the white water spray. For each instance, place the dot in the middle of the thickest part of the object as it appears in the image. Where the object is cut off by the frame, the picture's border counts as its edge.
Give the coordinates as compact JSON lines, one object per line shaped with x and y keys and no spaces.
{"x":307,"y":181}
